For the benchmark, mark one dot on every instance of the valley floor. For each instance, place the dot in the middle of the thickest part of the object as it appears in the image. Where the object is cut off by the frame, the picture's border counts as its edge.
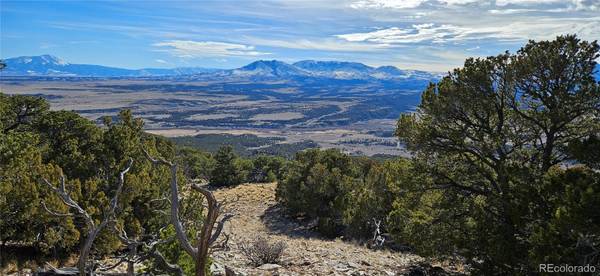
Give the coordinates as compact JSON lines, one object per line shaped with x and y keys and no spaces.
{"x":256,"y":213}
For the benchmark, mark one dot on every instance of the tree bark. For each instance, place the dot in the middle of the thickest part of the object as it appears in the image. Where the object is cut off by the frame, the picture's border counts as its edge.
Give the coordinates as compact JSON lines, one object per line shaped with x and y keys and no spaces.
{"x":130,"y":263}
{"x":206,"y":232}
{"x":206,"y":237}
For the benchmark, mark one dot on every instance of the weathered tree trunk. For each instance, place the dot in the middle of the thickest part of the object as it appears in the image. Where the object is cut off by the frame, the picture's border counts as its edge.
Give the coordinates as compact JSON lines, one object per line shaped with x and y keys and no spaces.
{"x":206,"y":237}
{"x":87,"y":247}
{"x":206,"y":232}
{"x":2,"y":253}
{"x":130,"y":263}
{"x":93,"y":230}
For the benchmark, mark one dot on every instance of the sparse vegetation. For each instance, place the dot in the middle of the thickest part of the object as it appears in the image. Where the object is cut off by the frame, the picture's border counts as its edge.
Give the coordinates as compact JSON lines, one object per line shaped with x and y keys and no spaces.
{"x":261,"y":251}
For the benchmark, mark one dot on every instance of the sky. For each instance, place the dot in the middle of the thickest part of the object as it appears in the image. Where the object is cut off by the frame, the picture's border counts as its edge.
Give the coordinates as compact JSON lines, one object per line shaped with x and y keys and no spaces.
{"x":432,"y":35}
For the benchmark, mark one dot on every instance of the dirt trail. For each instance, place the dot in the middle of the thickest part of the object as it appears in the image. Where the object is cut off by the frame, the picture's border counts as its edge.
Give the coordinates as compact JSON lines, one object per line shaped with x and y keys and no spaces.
{"x":257,"y":214}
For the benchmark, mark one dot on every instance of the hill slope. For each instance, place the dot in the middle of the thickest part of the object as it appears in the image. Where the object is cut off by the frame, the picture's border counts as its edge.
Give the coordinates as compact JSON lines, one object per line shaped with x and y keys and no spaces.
{"x":256,"y":213}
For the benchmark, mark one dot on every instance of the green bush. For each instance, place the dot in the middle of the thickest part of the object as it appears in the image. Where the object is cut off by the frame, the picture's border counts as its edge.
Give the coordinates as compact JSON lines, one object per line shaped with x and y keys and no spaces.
{"x":372,"y":200}
{"x":571,"y":232}
{"x":229,"y":169}
{"x":195,"y":163}
{"x":266,"y":169}
{"x":316,"y":184}
{"x":44,"y":144}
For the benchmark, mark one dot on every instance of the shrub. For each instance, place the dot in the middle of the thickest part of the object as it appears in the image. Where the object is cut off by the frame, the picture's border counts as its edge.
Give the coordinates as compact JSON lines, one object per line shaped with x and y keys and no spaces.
{"x":195,"y":163}
{"x":266,"y":169}
{"x":317,"y":183}
{"x":228,"y":169}
{"x":261,"y":251}
{"x":372,"y":199}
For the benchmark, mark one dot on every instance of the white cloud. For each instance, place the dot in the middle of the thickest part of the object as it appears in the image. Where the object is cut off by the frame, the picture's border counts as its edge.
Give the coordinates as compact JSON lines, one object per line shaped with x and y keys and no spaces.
{"x":511,"y":11}
{"x":328,"y":44}
{"x":526,"y":2}
{"x":592,"y":5}
{"x":161,"y":61}
{"x":395,"y":4}
{"x":415,"y":34}
{"x":460,"y":2}
{"x":542,"y":28}
{"x":407,"y":4}
{"x":192,"y":49}
{"x":552,"y":5}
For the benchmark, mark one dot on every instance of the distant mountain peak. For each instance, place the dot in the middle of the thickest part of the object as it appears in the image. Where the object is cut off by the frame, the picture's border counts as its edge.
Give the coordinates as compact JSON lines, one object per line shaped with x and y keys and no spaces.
{"x":41,"y":60}
{"x":331,"y":65}
{"x":266,"y":63}
{"x":53,"y":59}
{"x":48,"y":65}
{"x":268,"y":68}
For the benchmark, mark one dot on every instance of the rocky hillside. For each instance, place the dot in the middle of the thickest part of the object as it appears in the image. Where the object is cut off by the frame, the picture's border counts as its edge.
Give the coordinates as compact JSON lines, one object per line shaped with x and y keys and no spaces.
{"x":256,"y":214}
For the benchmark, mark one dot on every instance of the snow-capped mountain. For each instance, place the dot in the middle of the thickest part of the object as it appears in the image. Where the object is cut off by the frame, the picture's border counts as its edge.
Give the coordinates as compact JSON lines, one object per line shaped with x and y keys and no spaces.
{"x":266,"y":69}
{"x":335,"y":69}
{"x":340,"y":70}
{"x":47,"y":65}
{"x":355,"y":70}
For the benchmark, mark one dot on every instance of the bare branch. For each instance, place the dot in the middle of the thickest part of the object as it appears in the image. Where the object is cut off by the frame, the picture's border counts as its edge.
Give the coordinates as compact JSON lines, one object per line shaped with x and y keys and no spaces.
{"x":179,"y":230}
{"x":219,"y":228}
{"x":94,"y":229}
{"x":106,"y":268}
{"x":162,"y":262}
{"x":67,"y":200}
{"x":55,"y":213}
{"x":158,"y":160}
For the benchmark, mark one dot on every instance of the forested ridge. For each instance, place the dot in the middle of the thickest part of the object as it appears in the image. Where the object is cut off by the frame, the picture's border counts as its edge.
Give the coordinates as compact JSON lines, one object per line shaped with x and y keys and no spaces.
{"x":504,"y":176}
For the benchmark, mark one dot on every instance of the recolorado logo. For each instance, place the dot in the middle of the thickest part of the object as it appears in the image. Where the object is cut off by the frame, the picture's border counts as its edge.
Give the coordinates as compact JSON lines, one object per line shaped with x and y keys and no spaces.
{"x":565,"y":268}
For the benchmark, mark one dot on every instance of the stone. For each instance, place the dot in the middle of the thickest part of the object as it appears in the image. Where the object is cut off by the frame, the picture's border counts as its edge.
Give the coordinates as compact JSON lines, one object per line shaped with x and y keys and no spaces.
{"x":353,"y":265}
{"x":217,"y":269}
{"x":305,"y":263}
{"x":269,"y":266}
{"x":341,"y":268}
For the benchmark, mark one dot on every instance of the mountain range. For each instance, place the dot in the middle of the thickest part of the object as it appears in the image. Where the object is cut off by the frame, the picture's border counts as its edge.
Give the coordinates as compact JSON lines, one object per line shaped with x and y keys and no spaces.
{"x":47,"y":65}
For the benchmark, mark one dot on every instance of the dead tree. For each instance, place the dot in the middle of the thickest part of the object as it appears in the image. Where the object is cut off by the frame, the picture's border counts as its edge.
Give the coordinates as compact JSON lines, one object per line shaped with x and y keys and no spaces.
{"x":206,"y":238}
{"x":139,"y":251}
{"x":93,"y":228}
{"x":378,"y":238}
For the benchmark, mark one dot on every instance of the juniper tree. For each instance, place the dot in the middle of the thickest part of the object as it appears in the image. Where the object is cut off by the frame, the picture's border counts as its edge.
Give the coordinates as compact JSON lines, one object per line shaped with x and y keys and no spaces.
{"x":484,"y":138}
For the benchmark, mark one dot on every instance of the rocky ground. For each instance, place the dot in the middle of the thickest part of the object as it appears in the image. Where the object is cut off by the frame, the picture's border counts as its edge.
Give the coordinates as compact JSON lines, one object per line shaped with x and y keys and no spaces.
{"x":257,"y":214}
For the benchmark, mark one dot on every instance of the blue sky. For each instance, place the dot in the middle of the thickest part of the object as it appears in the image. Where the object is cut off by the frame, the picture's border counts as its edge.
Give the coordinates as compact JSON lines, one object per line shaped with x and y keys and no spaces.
{"x":434,"y":35}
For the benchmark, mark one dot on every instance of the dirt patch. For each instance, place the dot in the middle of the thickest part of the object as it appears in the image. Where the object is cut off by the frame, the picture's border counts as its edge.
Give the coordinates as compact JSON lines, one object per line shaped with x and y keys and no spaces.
{"x":281,"y":116}
{"x":256,"y":213}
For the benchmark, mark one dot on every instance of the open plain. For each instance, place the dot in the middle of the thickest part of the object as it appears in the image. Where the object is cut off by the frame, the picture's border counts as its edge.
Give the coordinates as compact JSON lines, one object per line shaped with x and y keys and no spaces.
{"x":355,"y":116}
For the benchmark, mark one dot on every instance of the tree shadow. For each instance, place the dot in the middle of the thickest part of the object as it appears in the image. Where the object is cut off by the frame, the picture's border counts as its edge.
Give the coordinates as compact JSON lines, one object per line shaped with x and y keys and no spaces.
{"x":278,"y":221}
